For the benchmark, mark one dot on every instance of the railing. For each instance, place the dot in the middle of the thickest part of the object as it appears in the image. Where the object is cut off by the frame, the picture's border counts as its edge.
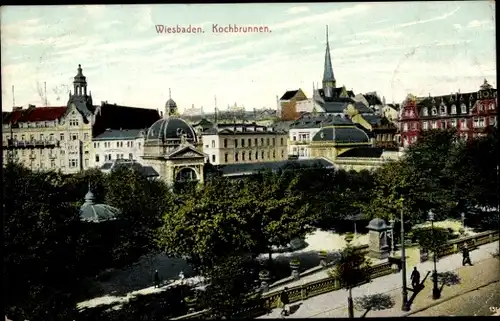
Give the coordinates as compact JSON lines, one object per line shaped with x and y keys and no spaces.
{"x":31,"y":143}
{"x":303,"y":292}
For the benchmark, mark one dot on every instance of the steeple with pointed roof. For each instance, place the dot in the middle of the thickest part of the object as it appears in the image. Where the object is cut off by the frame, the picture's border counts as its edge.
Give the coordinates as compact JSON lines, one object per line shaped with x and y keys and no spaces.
{"x":329,"y":82}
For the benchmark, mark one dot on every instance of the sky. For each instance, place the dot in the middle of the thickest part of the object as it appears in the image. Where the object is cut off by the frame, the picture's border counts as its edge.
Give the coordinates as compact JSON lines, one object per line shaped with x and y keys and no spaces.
{"x":392,"y":48}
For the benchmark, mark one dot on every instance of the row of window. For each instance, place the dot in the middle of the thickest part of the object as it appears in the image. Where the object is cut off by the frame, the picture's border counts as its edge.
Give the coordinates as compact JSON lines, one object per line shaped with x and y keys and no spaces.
{"x":108,"y":157}
{"x":47,"y":124}
{"x":248,"y":142}
{"x":49,"y":137}
{"x":478,"y":122}
{"x":243,"y":156}
{"x":463,"y":109}
{"x":117,"y":144}
{"x":301,"y":137}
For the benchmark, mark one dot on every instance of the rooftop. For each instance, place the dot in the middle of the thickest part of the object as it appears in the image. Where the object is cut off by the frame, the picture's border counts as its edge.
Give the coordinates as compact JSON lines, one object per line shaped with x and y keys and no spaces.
{"x":254,"y":168}
{"x":120,"y":134}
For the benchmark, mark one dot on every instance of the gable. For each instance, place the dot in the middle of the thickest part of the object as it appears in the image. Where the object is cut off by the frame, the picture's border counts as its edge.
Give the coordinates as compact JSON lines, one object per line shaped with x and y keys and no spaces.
{"x":185,"y":152}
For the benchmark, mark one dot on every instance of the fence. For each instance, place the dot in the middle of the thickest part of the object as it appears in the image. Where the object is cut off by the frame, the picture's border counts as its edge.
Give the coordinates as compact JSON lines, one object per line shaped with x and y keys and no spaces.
{"x":302,"y":292}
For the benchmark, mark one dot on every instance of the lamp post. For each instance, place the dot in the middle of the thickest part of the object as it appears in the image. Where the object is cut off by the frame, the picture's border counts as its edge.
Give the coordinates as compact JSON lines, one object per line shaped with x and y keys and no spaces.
{"x":391,"y":221}
{"x":404,"y":292}
{"x":462,"y":216}
{"x":435,"y":290}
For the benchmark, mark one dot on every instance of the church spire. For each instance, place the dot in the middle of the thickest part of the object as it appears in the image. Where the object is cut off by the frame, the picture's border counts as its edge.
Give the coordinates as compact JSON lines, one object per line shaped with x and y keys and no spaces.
{"x":329,"y":82}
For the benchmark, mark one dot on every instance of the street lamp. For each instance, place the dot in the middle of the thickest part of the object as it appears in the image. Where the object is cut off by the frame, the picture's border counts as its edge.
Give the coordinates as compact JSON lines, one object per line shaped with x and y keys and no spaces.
{"x":462,"y":216}
{"x":404,"y":292}
{"x":391,"y":221}
{"x":435,"y":290}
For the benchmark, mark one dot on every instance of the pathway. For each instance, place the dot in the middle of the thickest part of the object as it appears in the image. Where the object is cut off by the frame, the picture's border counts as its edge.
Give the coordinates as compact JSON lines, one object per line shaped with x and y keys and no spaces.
{"x":334,"y":303}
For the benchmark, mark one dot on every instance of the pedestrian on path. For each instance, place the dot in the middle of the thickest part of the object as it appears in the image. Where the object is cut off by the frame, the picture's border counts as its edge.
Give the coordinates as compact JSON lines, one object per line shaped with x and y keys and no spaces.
{"x":415,"y":278}
{"x":284,"y":301}
{"x":466,"y":255}
{"x":157,"y":279}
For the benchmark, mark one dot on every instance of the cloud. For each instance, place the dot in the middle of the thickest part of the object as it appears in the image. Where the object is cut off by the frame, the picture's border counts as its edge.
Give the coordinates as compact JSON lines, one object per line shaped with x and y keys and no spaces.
{"x":457,"y":26}
{"x":296,"y":10}
{"x":358,"y":42}
{"x":335,"y":16}
{"x":395,"y":30}
{"x":480,"y":24}
{"x":95,"y":10}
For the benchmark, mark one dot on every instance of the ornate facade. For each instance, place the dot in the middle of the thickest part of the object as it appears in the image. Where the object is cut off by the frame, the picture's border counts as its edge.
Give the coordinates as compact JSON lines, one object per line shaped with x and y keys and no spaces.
{"x":470,"y":113}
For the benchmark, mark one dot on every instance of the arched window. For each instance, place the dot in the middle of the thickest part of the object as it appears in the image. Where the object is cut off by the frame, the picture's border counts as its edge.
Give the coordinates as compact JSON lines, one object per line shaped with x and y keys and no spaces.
{"x":453,"y":109}
{"x":426,"y":111}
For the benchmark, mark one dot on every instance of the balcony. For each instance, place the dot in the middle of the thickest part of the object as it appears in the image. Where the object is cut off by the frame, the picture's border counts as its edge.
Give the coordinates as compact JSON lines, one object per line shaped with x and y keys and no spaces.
{"x":298,"y":142}
{"x":30,"y":144}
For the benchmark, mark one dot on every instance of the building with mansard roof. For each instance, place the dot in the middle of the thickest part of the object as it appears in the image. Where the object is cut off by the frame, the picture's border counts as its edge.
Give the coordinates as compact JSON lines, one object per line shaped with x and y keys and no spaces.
{"x":471,"y":113}
{"x":43,"y":138}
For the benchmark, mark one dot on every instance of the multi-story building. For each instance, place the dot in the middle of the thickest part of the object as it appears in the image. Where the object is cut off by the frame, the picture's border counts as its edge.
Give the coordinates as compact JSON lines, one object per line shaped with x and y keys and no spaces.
{"x":118,"y":144}
{"x":244,"y":143}
{"x":470,"y":113}
{"x":288,"y":104}
{"x":52,"y":137}
{"x":61,"y":137}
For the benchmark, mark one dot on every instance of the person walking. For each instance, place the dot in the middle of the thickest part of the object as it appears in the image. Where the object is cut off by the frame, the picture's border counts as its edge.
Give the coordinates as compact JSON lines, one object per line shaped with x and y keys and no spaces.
{"x":157,"y":279}
{"x":466,"y":255}
{"x":415,"y":278}
{"x":284,"y":301}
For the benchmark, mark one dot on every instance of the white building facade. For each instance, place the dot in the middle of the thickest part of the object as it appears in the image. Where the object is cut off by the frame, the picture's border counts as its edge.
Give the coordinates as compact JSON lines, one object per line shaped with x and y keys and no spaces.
{"x":299,"y":141}
{"x":118,"y":144}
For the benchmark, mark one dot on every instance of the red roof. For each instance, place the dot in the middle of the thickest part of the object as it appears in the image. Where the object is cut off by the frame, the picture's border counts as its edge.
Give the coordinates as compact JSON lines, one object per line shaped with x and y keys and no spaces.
{"x":43,"y":114}
{"x":13,"y":116}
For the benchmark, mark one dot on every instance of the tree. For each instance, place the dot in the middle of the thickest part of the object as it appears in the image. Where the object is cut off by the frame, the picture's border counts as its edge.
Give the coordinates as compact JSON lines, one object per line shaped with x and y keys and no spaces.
{"x":431,"y":239}
{"x":352,"y":269}
{"x":379,"y":301}
{"x":142,"y":203}
{"x":41,"y":258}
{"x":231,"y":286}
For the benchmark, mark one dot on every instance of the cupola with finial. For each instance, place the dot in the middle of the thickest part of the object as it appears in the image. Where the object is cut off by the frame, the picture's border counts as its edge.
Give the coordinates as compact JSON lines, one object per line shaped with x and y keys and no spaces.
{"x":96,"y":213}
{"x":170,"y":106}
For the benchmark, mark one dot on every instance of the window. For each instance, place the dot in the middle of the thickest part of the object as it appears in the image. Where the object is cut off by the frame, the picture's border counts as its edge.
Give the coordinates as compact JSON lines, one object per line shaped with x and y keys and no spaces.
{"x":249,"y":142}
{"x":274,"y":154}
{"x":267,"y":141}
{"x":274,"y":141}
{"x":242,"y":142}
{"x":480,"y":107}
{"x":443,"y":124}
{"x":262,"y":141}
{"x":442,"y":110}
{"x":481,"y":122}
{"x":235,"y":143}
{"x":475,"y":124}
{"x":453,"y":109}
{"x":73,"y":122}
{"x":213,"y":143}
{"x":281,"y":141}
{"x":453,"y":123}
{"x":256,"y":142}
{"x":22,"y":138}
{"x":426,"y":111}
{"x":236,"y":156}
{"x":262,"y":155}
{"x":294,"y":138}
{"x":85,"y":136}
{"x":121,"y":155}
{"x":61,"y":136}
{"x":225,"y":157}
{"x":63,"y":164}
{"x":41,"y":137}
{"x":109,"y":156}
{"x":492,"y":121}
{"x":32,"y":137}
{"x":73,"y":163}
{"x":74,"y":136}
{"x":282,"y":154}
{"x":225,"y":144}
{"x":52,"y":163}
{"x":249,"y":156}
{"x":434,"y":111}
{"x":131,"y":144}
{"x":86,"y":162}
{"x":62,"y":152}
{"x":117,"y":156}
{"x":463,"y":109}
{"x":434,"y":125}
{"x":95,"y":145}
{"x":405,"y":127}
{"x":243,"y":156}
{"x":491,"y":106}
{"x":130,"y":156}
{"x":268,"y":154}
{"x":256,"y":155}
{"x":213,"y":158}
{"x":97,"y":158}
{"x":426,"y":125}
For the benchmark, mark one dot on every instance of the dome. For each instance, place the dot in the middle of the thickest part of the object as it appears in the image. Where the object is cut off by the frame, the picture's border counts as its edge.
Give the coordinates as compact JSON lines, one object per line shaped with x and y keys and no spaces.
{"x":344,"y":135}
{"x":377,"y":224}
{"x":170,"y":104}
{"x":171,"y":128}
{"x":79,"y":76}
{"x":96,"y":213}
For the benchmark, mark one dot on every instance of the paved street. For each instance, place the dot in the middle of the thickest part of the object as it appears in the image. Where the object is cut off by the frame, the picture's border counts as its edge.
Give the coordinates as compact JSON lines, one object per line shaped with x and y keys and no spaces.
{"x":475,"y":303}
{"x":333,"y":304}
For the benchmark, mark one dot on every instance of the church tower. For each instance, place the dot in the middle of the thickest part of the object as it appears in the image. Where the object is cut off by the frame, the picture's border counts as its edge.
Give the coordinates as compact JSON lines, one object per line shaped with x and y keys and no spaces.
{"x":329,"y":82}
{"x":79,"y":96}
